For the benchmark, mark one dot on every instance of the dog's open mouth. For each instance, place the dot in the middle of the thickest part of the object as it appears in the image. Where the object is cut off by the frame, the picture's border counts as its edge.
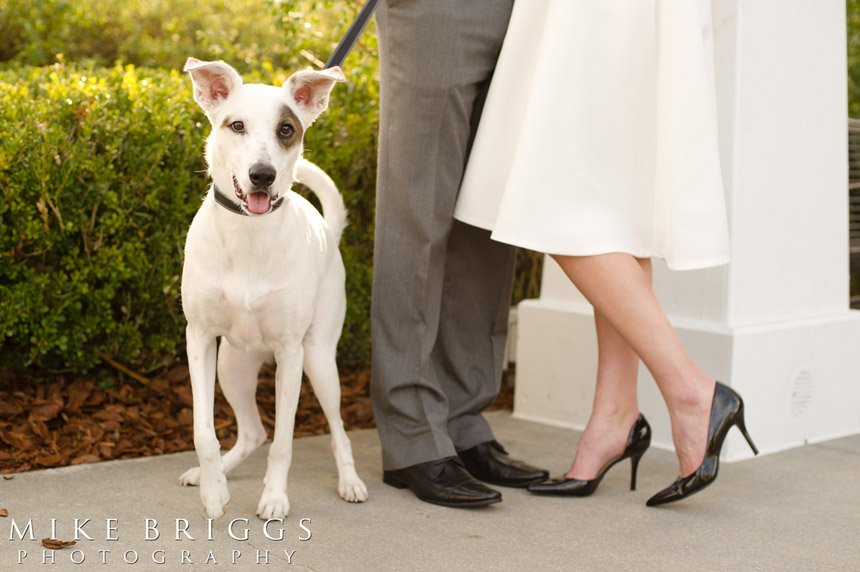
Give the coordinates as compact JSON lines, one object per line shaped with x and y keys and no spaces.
{"x":257,"y":202}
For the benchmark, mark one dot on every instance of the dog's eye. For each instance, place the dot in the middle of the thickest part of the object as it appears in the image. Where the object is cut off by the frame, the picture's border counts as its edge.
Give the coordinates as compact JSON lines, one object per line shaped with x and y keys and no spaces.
{"x":238,"y":127}
{"x":286,"y":130}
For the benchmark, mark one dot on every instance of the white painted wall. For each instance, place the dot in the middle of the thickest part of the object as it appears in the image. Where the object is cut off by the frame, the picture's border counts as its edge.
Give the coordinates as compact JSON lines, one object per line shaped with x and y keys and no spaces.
{"x":775,"y":323}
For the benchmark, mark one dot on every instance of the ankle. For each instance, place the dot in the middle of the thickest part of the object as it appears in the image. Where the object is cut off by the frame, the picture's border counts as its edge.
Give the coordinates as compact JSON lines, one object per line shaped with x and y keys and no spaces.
{"x":693,"y":398}
{"x":614,"y":414}
{"x":603,"y":439}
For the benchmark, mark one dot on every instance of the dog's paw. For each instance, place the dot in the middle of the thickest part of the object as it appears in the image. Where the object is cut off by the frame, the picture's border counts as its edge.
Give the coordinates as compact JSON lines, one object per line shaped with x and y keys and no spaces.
{"x":273,"y":505}
{"x":352,"y":489}
{"x":190,"y":478}
{"x":214,"y":494}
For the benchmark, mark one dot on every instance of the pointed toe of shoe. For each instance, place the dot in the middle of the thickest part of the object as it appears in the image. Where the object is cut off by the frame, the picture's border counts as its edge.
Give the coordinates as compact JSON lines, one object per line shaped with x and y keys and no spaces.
{"x":667,"y":495}
{"x":680,"y":489}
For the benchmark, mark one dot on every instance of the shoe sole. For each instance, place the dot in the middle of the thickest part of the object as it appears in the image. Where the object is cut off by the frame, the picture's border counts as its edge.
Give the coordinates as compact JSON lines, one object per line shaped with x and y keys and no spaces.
{"x":471,"y":504}
{"x":561,"y":494}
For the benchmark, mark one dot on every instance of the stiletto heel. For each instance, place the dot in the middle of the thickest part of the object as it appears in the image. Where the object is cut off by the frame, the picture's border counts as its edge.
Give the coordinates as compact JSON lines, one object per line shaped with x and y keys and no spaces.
{"x":727,"y":411}
{"x":634,"y":466}
{"x":742,"y":427}
{"x":638,"y":441}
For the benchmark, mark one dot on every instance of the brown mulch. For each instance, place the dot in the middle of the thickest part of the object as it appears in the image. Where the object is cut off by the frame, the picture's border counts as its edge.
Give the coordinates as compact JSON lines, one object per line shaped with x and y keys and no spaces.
{"x":70,"y":420}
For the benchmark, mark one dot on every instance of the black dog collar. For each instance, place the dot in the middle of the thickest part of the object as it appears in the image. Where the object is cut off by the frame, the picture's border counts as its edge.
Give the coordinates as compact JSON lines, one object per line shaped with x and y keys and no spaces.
{"x":225,"y":202}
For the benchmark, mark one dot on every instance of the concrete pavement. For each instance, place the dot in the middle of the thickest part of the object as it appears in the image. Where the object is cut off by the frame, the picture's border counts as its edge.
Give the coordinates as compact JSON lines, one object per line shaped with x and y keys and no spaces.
{"x":796,"y":510}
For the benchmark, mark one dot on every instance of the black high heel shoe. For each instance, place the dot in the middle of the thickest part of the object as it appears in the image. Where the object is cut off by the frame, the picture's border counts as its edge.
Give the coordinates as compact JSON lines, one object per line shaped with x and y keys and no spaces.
{"x":727,"y":411}
{"x":638,"y":441}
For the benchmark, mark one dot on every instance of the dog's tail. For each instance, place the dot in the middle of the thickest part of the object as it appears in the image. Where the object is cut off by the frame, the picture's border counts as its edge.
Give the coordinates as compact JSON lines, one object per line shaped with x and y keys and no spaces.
{"x":334,"y":211}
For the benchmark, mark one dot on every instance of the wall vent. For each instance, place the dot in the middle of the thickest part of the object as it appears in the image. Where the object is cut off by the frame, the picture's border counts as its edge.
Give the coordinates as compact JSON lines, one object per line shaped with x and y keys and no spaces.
{"x":802,"y":392}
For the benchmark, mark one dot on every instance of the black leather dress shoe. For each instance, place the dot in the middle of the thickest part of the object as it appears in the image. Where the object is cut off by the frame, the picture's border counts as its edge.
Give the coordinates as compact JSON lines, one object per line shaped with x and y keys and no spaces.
{"x":490,"y":463}
{"x":445,"y":482}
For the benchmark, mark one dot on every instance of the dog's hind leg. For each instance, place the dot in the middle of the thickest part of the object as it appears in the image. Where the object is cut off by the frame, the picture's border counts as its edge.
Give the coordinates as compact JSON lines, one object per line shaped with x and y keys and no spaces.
{"x":237,"y":375}
{"x":321,"y":369}
{"x":320,"y":345}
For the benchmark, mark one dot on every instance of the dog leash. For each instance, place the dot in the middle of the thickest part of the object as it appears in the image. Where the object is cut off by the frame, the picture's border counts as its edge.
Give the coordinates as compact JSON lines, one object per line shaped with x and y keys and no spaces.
{"x":346,"y":44}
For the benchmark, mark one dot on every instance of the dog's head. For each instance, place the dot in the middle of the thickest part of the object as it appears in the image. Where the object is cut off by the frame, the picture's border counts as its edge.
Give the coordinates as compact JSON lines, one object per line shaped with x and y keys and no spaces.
{"x":257,"y":130}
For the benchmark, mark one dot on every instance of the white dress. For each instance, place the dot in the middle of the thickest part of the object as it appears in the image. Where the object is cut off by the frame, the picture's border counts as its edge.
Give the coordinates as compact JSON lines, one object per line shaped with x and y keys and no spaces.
{"x":599,"y":134}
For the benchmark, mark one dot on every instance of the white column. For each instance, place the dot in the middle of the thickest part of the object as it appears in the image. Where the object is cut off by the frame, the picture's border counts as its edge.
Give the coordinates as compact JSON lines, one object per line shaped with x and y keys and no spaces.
{"x":774,"y":324}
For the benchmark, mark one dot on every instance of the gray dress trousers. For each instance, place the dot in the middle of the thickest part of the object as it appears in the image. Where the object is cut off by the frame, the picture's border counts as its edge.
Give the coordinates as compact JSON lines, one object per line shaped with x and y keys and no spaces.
{"x":441,"y":288}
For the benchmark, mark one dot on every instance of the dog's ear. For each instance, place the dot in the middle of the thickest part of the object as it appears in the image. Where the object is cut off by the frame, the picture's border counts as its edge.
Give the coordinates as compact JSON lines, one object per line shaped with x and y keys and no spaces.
{"x":310,"y":90}
{"x":213,"y":82}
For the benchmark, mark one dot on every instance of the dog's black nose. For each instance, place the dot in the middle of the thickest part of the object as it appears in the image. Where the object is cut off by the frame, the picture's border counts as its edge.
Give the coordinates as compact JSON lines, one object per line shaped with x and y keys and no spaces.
{"x":262,"y":175}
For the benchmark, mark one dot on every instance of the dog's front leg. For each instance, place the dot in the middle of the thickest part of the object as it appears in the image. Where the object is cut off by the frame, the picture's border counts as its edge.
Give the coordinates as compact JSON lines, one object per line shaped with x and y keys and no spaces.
{"x":288,"y":382}
{"x":202,"y":350}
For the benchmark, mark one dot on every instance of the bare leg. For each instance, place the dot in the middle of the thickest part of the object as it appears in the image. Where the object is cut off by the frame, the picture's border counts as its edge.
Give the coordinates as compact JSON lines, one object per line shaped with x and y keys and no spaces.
{"x":615,"y":407}
{"x":619,"y":288}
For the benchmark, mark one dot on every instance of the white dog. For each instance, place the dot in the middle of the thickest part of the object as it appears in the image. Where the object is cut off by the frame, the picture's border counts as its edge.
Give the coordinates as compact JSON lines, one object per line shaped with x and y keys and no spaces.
{"x":263,"y":271}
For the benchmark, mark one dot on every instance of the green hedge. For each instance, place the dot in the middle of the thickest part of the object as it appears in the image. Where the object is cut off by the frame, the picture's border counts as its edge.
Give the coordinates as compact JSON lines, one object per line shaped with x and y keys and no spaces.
{"x":853,"y":17}
{"x":101,"y":171}
{"x":162,"y":33}
{"x":101,"y":168}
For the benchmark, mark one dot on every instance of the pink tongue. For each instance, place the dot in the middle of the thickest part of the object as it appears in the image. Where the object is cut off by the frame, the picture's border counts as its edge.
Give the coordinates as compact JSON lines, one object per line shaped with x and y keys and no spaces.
{"x":258,"y":203}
